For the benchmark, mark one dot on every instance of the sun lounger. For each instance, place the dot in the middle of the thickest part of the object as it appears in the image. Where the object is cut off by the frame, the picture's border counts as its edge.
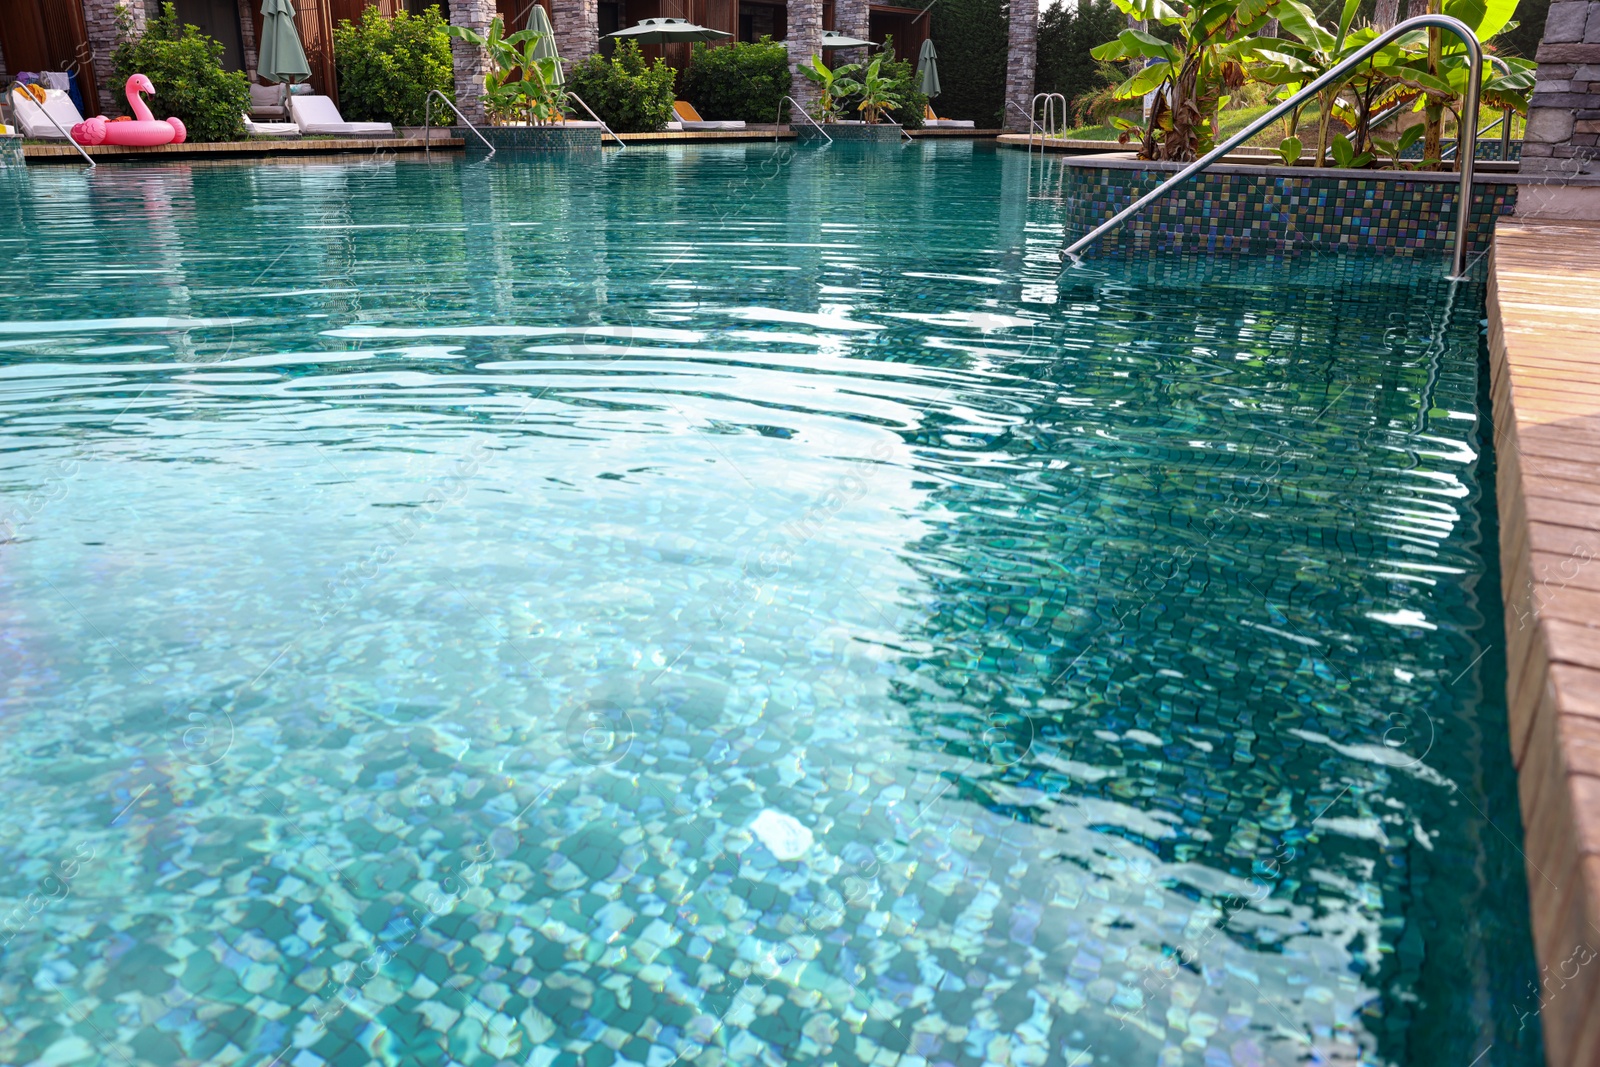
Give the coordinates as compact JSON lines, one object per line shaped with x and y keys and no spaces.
{"x":319,"y":114}
{"x":34,"y":117}
{"x":269,"y":129}
{"x":930,"y":119}
{"x":689,"y":119}
{"x":267,"y":102}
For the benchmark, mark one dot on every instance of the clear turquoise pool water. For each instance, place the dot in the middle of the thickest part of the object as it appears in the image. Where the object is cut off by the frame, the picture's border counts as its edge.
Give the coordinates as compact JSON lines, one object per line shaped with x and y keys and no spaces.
{"x":729,"y":606}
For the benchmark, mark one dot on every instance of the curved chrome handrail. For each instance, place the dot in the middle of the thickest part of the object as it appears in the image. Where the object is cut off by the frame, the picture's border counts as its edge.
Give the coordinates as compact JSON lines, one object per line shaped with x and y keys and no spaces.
{"x":427,"y":122}
{"x":622,"y":145}
{"x":1469,"y":122}
{"x":800,"y":108}
{"x":57,"y":125}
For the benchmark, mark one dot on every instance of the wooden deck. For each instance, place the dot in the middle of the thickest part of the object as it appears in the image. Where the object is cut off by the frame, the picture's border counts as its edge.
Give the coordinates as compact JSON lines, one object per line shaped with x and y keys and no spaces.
{"x":1544,"y":334}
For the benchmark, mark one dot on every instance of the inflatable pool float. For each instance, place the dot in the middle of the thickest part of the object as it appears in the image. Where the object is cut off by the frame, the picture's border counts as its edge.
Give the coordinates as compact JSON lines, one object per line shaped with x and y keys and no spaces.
{"x":141,"y":131}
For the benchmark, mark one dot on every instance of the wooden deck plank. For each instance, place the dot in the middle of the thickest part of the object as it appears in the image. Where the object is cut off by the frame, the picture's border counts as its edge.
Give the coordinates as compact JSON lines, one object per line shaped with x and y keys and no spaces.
{"x":1544,"y":334}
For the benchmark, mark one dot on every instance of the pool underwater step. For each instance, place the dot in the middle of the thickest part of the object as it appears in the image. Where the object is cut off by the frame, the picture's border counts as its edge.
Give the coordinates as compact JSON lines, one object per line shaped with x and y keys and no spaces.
{"x":1544,"y":341}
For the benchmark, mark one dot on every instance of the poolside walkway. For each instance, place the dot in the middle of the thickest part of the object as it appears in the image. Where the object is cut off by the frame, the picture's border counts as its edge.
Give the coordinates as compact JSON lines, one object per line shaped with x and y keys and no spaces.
{"x":294,"y":147}
{"x":1544,"y":337}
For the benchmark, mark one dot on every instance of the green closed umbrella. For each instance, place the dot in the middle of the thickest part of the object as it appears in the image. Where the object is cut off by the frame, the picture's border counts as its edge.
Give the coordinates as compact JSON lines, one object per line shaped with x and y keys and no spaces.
{"x":545,"y":48}
{"x":281,"y":58}
{"x":928,"y":70}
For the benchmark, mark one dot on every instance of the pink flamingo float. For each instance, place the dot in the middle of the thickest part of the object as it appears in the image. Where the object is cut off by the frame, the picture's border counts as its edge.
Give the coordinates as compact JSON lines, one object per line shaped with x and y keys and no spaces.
{"x":142,"y":131}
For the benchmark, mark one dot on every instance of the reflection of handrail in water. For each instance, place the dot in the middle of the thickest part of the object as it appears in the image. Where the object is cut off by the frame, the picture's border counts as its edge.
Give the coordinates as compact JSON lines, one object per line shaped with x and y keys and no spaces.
{"x":427,"y":117}
{"x":1469,"y":122}
{"x":800,"y":108}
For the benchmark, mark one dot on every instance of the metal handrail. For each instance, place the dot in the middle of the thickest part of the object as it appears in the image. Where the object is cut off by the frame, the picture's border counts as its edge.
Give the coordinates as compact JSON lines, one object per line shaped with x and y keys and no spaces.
{"x":1469,"y":122}
{"x":427,"y":122}
{"x":1048,"y":127}
{"x":57,"y":125}
{"x":800,"y":108}
{"x":598,"y":119}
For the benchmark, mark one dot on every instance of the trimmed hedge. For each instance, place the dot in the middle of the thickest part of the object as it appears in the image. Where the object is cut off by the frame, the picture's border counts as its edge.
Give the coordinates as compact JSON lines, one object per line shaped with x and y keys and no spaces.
{"x":629,"y":95}
{"x":738,"y":81}
{"x":971,"y":36}
{"x":387,"y":66}
{"x":185,"y":66}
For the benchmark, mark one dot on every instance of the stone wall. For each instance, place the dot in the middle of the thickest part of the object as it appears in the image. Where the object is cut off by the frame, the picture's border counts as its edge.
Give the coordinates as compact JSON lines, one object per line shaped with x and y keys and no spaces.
{"x":1021,"y":51}
{"x":247,"y":36}
{"x":850,"y":17}
{"x":1563,"y":135}
{"x":805,"y":41}
{"x":101,"y":22}
{"x":3,"y":73}
{"x":470,"y":62}
{"x":577,"y":26}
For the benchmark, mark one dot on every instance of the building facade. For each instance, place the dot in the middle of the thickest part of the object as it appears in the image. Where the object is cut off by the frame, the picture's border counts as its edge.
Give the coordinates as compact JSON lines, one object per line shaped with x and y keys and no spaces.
{"x":78,"y":36}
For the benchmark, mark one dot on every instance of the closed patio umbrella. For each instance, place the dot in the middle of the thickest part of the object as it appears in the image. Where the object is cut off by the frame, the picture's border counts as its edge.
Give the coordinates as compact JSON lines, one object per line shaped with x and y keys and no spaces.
{"x":668,"y":31}
{"x":281,"y":58}
{"x":928,"y":69}
{"x":539,"y":22}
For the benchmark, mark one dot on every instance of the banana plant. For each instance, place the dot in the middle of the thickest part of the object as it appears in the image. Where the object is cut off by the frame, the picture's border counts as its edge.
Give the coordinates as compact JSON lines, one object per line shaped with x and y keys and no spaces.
{"x":836,"y":85}
{"x":1439,"y":66}
{"x":520,"y":83}
{"x":876,"y":95}
{"x":1190,"y":76}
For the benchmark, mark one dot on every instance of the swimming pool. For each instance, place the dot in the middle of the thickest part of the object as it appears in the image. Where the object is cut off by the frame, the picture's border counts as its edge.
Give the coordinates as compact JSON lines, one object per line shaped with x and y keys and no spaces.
{"x":731,"y":606}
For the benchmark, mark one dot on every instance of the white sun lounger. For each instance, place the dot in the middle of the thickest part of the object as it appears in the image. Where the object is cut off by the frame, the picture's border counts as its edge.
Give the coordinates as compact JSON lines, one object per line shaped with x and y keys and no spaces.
{"x":319,"y":114}
{"x":687,"y":118}
{"x":253,"y":128}
{"x":34,"y":117}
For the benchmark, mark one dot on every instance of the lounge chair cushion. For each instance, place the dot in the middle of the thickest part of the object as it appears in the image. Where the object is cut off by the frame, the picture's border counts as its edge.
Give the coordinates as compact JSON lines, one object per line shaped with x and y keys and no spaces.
{"x":691,"y":120}
{"x":319,"y":114}
{"x":962,"y":124}
{"x":34,"y":118}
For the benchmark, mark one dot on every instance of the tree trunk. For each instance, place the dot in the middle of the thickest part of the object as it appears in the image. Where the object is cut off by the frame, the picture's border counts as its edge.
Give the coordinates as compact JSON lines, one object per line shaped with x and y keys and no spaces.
{"x":1387,"y":14}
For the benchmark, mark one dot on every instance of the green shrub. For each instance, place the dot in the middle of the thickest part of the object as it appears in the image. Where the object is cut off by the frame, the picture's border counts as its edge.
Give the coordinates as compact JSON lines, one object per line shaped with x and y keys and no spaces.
{"x":630,"y":96}
{"x":738,"y":81}
{"x":186,"y":68}
{"x":902,"y":75}
{"x":971,"y":36}
{"x":387,"y":66}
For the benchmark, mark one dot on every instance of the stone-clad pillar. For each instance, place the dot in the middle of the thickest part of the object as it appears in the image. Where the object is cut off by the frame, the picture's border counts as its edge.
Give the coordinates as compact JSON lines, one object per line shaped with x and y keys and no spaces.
{"x":1563,"y":136}
{"x":805,"y":41}
{"x":1022,"y":47}
{"x":577,"y":26}
{"x":850,"y":17}
{"x":101,"y":21}
{"x":471,"y":62}
{"x":247,"y":36}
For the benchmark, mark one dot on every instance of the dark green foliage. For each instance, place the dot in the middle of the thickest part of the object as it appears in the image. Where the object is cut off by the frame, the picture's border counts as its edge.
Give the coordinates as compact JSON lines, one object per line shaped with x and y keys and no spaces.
{"x":902,"y":75}
{"x":971,"y":38}
{"x":1523,"y":39}
{"x":1066,"y":33}
{"x":387,"y":66}
{"x":738,"y":81}
{"x":186,"y":68}
{"x":629,"y":95}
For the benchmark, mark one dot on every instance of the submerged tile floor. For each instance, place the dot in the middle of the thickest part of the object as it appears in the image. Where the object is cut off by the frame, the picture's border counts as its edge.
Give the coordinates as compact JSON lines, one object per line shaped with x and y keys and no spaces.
{"x":439,"y":601}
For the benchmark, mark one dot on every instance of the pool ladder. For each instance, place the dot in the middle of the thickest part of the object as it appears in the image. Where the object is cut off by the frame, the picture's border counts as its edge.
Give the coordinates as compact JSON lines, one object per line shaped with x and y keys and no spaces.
{"x":1044,"y":125}
{"x":1072,"y":254}
{"x":427,"y":122}
{"x":801,"y":109}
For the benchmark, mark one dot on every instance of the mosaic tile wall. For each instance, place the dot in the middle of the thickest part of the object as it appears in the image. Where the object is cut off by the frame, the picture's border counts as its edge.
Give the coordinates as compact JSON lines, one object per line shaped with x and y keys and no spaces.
{"x":545,"y":138}
{"x":1243,"y":212}
{"x":806,"y":132}
{"x":1488,"y":150}
{"x":11,"y":152}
